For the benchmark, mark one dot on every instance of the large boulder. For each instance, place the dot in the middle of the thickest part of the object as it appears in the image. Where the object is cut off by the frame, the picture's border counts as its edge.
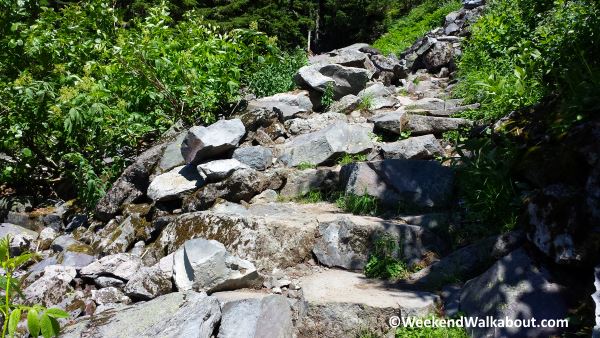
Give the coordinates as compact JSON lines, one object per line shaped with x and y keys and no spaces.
{"x":301,"y":182}
{"x":180,"y":314}
{"x":256,"y":157}
{"x":392,"y":122}
{"x":131,"y":185}
{"x":268,"y":316}
{"x":400,"y":183}
{"x":415,"y":148}
{"x":345,"y":241}
{"x":205,"y":142}
{"x":175,"y":183}
{"x":514,"y":288}
{"x":205,"y":265}
{"x":121,"y":266}
{"x":326,"y":145}
{"x":344,"y":80}
{"x":440,"y":55}
{"x":285,"y":105}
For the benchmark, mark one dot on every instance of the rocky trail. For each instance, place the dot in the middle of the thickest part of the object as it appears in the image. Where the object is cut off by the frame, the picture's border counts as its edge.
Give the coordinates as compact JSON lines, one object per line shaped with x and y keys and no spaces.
{"x":204,"y":235}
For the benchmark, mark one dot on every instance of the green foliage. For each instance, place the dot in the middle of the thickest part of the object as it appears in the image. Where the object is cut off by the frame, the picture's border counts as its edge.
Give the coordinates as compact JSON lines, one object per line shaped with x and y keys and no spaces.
{"x":366,"y":102}
{"x":351,"y":158}
{"x":522,"y":50}
{"x":305,"y":165}
{"x":276,"y":75}
{"x":382,"y":262}
{"x":408,"y":29}
{"x":328,"y":97}
{"x":429,"y":332}
{"x":405,"y":134}
{"x":358,"y":204}
{"x":39,"y":319}
{"x":313,"y":196}
{"x":487,"y":188}
{"x":81,"y":89}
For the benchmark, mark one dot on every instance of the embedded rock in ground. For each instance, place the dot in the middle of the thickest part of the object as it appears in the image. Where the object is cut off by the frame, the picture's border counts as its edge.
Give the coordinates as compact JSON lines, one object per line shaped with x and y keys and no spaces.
{"x":122,"y":266}
{"x":171,"y":156}
{"x":344,"y":80}
{"x":415,"y":148}
{"x":120,"y":237}
{"x":205,"y":142}
{"x":205,"y":265}
{"x":327,"y":144}
{"x":382,"y":102}
{"x":285,"y":105}
{"x":409,"y":183}
{"x":301,"y":182}
{"x":266,"y":196}
{"x":346,"y":104}
{"x":343,"y":304}
{"x":313,"y":123}
{"x":151,"y":282}
{"x":465,"y":262}
{"x":77,"y":260}
{"x":175,"y":183}
{"x":268,"y":316}
{"x":390,"y":122}
{"x":256,"y":157}
{"x":109,"y":295}
{"x":131,"y":185}
{"x":514,"y":288}
{"x":50,"y":289}
{"x":274,"y":235}
{"x":346,"y":241}
{"x":376,"y":89}
{"x":179,"y":314}
{"x":242,"y":185}
{"x":421,"y":124}
{"x":219,"y":169}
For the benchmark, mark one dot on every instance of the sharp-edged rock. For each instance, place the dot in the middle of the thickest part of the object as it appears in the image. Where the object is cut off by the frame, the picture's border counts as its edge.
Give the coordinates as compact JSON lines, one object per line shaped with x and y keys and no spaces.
{"x":420,"y":124}
{"x":122,"y":266}
{"x":206,"y":142}
{"x":255,"y":157}
{"x":151,"y":282}
{"x":218,"y":170}
{"x":344,"y":80}
{"x":424,"y":147}
{"x":50,"y":289}
{"x":268,"y":316}
{"x":285,"y":105}
{"x":313,"y":123}
{"x":175,"y":183}
{"x":346,"y":104}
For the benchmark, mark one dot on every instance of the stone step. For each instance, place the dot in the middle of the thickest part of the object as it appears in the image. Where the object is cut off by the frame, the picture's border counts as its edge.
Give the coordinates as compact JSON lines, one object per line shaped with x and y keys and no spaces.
{"x":340,"y":303}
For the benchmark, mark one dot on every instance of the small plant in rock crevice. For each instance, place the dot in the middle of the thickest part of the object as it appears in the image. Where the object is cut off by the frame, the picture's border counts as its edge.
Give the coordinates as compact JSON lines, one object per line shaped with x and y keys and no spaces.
{"x":305,"y":165}
{"x":366,"y":103}
{"x":358,"y":204}
{"x":382,"y":261}
{"x":40,"y":320}
{"x":351,"y":158}
{"x":328,"y":97}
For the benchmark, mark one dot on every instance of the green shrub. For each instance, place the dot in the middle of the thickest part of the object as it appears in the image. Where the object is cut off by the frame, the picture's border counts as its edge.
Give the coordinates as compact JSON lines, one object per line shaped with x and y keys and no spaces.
{"x":420,"y":20}
{"x":328,"y":97}
{"x":276,"y":74}
{"x":305,"y":165}
{"x":359,"y":205}
{"x":382,"y":262}
{"x":81,"y":90}
{"x":351,"y":158}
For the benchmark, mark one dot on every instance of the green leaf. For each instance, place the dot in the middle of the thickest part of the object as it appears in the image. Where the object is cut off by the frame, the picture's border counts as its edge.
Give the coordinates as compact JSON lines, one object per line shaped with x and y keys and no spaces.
{"x":33,"y":323}
{"x":47,"y":326}
{"x":26,"y":152}
{"x":13,"y":321}
{"x":57,"y":313}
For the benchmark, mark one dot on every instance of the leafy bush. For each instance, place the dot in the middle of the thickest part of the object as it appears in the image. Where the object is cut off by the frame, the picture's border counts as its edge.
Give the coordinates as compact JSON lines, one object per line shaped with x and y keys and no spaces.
{"x":39,"y":319}
{"x":382,"y":262}
{"x":420,"y":20}
{"x":276,"y":74}
{"x":522,"y":50}
{"x":328,"y":96}
{"x":358,"y":204}
{"x":81,"y":90}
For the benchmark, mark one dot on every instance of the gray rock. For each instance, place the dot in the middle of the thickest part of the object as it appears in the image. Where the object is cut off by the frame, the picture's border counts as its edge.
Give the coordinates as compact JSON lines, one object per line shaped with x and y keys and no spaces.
{"x":390,"y":122}
{"x":63,"y":242}
{"x":227,"y":272}
{"x":415,"y":148}
{"x":151,"y":282}
{"x":205,"y":142}
{"x":465,"y":262}
{"x":327,"y":144}
{"x":376,"y":89}
{"x":175,"y":183}
{"x":46,"y":237}
{"x":172,"y":156}
{"x":7,"y":229}
{"x":346,"y":104}
{"x":130,"y":186}
{"x":268,"y":316}
{"x":285,"y":105}
{"x":121,"y":265}
{"x":392,"y":65}
{"x":314,"y":123}
{"x":346,"y":240}
{"x":78,"y":260}
{"x":345,"y":80}
{"x":179,"y":314}
{"x":420,"y":124}
{"x":382,"y":102}
{"x":109,"y":295}
{"x":256,"y":157}
{"x":441,"y":55}
{"x":301,"y":182}
{"x":51,"y":287}
{"x":219,"y":169}
{"x":409,"y":183}
{"x":514,"y":288}
{"x":106,"y":282}
{"x":266,"y":196}
{"x":470,"y":4}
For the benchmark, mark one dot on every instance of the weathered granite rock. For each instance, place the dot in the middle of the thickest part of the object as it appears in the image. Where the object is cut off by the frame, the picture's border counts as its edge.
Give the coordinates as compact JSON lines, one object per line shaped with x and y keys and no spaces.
{"x":49,"y":289}
{"x":313,"y":123}
{"x":268,"y":316}
{"x":151,"y":282}
{"x":327,"y":144}
{"x":109,"y":295}
{"x":175,"y":183}
{"x":205,"y":142}
{"x":285,"y":105}
{"x":205,"y":265}
{"x":171,"y":156}
{"x":415,"y":148}
{"x":346,"y":104}
{"x":514,"y":288}
{"x":344,"y":80}
{"x":421,"y":124}
{"x":301,"y":182}
{"x":256,"y":157}
{"x":219,"y":169}
{"x":122,"y":266}
{"x":180,"y":314}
